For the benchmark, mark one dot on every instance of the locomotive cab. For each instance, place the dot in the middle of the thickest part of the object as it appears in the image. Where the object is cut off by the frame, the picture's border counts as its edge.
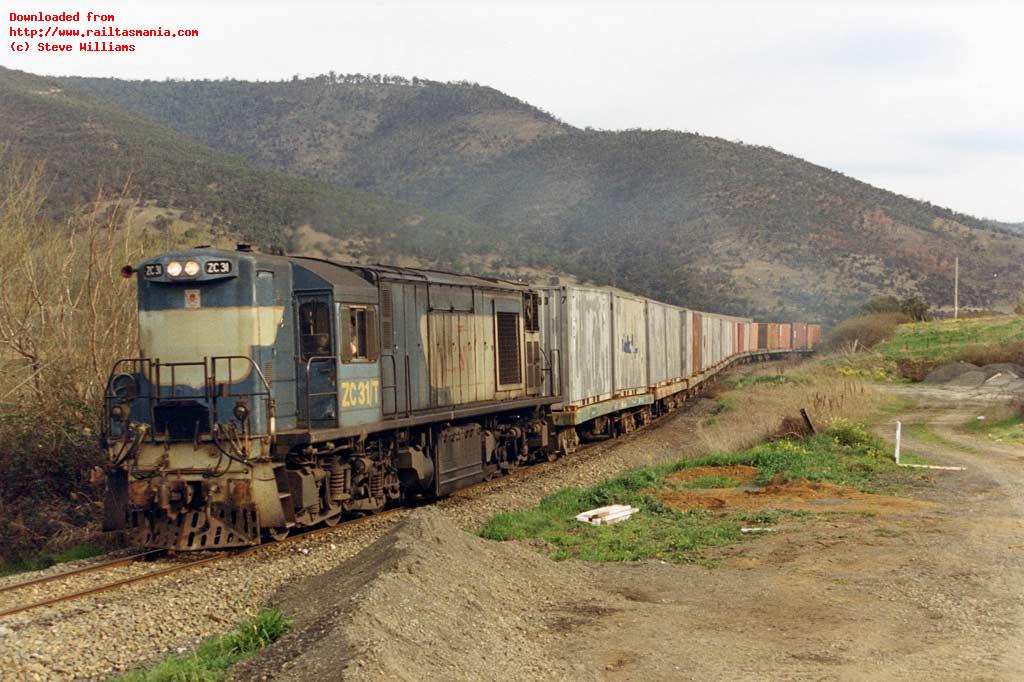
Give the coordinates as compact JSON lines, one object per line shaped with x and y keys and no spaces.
{"x":191,"y":420}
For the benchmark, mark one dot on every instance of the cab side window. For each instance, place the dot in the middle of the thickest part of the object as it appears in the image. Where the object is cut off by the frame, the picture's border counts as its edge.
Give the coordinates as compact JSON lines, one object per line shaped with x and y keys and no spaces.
{"x":314,"y":329}
{"x":358,"y":333}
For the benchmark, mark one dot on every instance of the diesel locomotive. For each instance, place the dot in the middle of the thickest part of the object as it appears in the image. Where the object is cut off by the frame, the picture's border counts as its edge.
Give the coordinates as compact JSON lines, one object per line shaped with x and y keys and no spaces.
{"x":275,"y":392}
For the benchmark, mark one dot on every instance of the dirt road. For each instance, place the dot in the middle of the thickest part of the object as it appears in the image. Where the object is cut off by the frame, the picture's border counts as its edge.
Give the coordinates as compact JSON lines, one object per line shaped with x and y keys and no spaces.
{"x":935,"y":592}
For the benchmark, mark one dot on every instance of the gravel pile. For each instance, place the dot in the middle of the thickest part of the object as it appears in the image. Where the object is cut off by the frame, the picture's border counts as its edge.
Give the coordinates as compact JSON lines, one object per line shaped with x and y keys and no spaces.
{"x":428,"y":601}
{"x":1004,"y":376}
{"x":949,"y":371}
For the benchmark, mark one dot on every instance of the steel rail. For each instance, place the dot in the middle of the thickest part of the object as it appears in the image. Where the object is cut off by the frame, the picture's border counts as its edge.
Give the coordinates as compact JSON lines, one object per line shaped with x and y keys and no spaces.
{"x":170,"y":569}
{"x":85,"y":569}
{"x":119,"y":583}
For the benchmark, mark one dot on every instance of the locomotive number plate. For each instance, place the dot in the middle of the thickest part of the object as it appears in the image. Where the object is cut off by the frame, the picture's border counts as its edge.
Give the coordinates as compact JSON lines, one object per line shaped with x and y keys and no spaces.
{"x":218,"y":267}
{"x":154,"y":270}
{"x":360,"y":393}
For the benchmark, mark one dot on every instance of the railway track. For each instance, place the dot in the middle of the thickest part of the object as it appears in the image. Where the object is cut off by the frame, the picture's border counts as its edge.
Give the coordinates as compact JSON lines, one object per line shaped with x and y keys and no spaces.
{"x":168,"y":570}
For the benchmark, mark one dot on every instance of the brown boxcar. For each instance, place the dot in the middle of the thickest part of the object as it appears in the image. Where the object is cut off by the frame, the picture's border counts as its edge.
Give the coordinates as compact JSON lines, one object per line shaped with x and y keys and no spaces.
{"x":762,"y":336}
{"x":800,"y":335}
{"x":813,"y":335}
{"x":785,"y":336}
{"x":773,"y":336}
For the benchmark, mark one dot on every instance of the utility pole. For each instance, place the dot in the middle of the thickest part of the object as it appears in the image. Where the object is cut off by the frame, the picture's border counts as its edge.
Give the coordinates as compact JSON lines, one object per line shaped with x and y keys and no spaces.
{"x":956,"y":289}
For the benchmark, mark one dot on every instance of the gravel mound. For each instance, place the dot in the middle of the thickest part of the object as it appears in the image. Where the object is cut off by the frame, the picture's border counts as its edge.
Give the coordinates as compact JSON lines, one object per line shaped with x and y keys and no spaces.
{"x":971,"y":379}
{"x":1001,"y":379}
{"x":949,"y":371}
{"x":1013,"y":369}
{"x":428,"y":601}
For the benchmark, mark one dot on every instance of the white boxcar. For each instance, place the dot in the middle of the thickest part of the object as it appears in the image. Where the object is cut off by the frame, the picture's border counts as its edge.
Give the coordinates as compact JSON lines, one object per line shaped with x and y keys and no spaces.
{"x":576,"y":324}
{"x":629,"y":344}
{"x":666,"y":342}
{"x":688,"y":370}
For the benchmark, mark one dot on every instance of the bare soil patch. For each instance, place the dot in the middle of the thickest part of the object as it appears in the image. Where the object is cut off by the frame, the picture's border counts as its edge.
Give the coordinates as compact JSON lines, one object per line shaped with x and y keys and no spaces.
{"x":799,"y":495}
{"x":739,"y":472}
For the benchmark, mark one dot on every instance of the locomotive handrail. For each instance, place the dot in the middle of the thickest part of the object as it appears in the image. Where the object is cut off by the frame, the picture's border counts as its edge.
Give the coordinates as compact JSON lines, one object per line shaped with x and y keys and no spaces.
{"x":310,"y":395}
{"x":152,"y":370}
{"x":408,"y":388}
{"x":394,"y":386}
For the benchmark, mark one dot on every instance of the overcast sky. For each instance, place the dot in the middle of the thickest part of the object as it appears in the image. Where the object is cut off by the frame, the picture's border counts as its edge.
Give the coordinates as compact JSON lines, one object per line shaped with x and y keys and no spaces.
{"x":923,"y":98}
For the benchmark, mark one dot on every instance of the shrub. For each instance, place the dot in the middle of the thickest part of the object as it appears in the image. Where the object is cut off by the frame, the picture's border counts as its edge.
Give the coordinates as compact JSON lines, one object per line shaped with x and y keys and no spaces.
{"x":864,"y":331}
{"x":65,"y":314}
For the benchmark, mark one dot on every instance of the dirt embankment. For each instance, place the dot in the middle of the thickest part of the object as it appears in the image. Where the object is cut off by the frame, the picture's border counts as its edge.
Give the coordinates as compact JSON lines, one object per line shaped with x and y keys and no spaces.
{"x":429,"y":601}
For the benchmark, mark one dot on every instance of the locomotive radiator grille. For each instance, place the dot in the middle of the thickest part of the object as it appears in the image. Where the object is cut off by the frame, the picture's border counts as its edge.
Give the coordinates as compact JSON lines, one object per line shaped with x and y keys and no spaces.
{"x":509,"y":371}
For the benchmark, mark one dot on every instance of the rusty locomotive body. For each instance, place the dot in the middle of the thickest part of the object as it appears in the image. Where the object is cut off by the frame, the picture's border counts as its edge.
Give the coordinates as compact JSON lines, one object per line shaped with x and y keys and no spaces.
{"x":275,"y":392}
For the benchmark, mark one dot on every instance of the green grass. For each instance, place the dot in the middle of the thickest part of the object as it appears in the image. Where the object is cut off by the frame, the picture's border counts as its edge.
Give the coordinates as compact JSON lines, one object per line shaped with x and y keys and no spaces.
{"x":845,"y":454}
{"x":215,"y":656}
{"x":1009,"y":429}
{"x":765,"y":380}
{"x":37,"y":563}
{"x":945,"y":340}
{"x":980,"y":340}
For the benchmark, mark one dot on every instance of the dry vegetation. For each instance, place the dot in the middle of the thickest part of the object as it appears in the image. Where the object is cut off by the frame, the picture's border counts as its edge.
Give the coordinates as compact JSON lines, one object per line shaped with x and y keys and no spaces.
{"x":863,"y":332}
{"x":65,"y":315}
{"x":770,"y":400}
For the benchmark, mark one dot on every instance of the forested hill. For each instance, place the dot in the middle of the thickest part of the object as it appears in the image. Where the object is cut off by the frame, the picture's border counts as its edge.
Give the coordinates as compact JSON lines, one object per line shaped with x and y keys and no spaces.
{"x":693,"y":219}
{"x":89,"y":146}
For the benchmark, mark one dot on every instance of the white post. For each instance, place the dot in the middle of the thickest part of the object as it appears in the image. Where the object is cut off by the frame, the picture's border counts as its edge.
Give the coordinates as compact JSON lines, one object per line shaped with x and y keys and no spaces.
{"x":956,"y":290}
{"x":899,"y":429}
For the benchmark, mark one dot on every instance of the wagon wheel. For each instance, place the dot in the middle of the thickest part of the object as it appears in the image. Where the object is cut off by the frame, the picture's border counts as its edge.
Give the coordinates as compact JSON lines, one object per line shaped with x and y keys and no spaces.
{"x":568,"y":441}
{"x":276,"y":534}
{"x":332,"y":521}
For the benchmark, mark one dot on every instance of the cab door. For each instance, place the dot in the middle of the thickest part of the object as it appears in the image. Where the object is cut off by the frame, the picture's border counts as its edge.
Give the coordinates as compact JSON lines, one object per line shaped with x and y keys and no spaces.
{"x":316,"y":368}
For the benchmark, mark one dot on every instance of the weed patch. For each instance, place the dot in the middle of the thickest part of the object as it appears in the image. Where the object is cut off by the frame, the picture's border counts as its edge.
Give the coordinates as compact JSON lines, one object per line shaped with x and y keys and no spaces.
{"x":214,"y":657}
{"x":845,"y":454}
{"x":1008,"y":429}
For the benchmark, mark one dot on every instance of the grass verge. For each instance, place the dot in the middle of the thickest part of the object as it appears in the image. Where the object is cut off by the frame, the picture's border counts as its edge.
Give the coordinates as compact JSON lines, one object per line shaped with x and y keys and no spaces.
{"x":214,"y":657}
{"x":844,"y":454}
{"x":46,"y":560}
{"x":1008,"y":429}
{"x":919,"y":346}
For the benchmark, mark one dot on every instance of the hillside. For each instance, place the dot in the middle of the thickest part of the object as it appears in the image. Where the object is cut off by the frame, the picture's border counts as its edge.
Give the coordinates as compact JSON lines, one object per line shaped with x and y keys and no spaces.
{"x":688,"y":218}
{"x":87,"y":145}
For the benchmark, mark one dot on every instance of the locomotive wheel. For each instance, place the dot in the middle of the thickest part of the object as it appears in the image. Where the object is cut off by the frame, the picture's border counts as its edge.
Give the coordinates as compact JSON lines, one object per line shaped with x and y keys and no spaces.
{"x":276,"y":534}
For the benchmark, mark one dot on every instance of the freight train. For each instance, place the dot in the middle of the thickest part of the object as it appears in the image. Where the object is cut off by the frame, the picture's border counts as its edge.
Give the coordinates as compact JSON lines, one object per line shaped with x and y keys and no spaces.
{"x":277,"y":392}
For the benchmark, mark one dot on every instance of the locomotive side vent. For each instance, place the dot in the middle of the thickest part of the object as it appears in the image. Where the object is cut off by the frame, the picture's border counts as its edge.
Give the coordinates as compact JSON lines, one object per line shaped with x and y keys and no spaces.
{"x":385,"y":317}
{"x":532,"y":310}
{"x":509,"y":372}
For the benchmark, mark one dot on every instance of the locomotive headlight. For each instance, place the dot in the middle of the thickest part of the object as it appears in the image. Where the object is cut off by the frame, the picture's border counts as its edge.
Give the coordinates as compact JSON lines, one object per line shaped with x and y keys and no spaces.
{"x":241,"y":412}
{"x":174,"y":268}
{"x":191,"y":268}
{"x":117,"y":412}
